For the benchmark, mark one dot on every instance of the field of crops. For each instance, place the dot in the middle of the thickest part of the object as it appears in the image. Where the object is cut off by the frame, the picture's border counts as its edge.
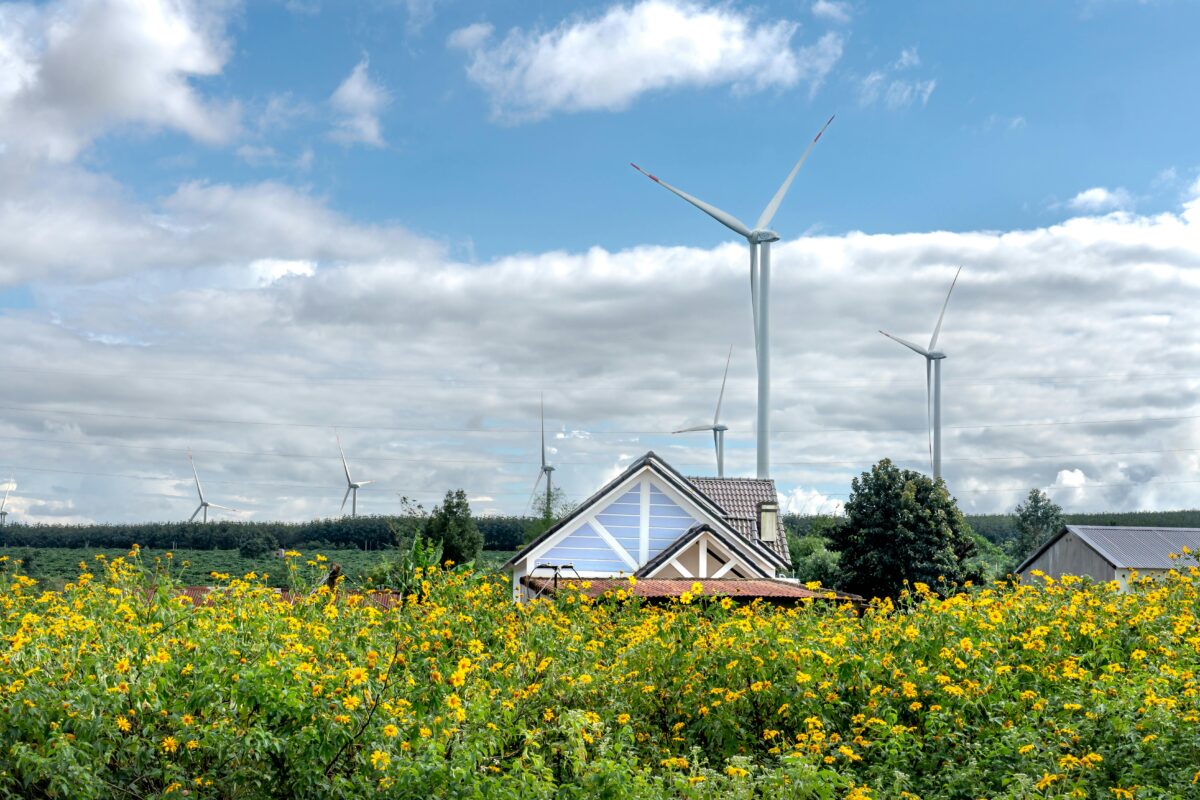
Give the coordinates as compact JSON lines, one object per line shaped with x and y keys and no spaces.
{"x":116,"y":687}
{"x":54,"y":566}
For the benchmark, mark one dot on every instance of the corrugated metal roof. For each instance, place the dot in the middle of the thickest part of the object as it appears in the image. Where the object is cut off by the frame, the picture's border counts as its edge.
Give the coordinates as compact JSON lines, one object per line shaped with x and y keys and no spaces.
{"x":1139,"y":548}
{"x":740,"y":497}
{"x":674,"y":587}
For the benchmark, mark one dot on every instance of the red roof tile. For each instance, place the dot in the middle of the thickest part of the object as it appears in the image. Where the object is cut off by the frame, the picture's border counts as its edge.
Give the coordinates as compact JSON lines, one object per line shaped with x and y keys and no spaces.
{"x":674,"y":587}
{"x":740,"y":497}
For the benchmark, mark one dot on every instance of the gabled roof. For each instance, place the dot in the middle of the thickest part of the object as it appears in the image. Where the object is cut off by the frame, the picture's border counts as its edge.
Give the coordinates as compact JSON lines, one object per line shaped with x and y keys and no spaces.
{"x":685,"y":486}
{"x":741,"y":497}
{"x":1129,"y":547}
{"x":739,"y":546}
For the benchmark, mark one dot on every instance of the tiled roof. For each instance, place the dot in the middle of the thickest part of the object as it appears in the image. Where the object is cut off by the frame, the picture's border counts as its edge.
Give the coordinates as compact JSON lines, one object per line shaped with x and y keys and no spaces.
{"x":740,"y":497}
{"x":1139,"y":548}
{"x":674,"y":587}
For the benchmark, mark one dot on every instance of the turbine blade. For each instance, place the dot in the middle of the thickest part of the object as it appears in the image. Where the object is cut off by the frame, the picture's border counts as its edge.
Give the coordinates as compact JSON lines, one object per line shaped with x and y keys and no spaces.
{"x":929,"y":409}
{"x":721,"y":396}
{"x":726,"y":219}
{"x":345,"y":497}
{"x":364,"y":483}
{"x":938,"y":329}
{"x":773,"y":206}
{"x":536,"y":484}
{"x":916,"y":348}
{"x":196,"y":475}
{"x":224,"y":508}
{"x":194,"y":513}
{"x":345,"y":466}
{"x":693,"y":430}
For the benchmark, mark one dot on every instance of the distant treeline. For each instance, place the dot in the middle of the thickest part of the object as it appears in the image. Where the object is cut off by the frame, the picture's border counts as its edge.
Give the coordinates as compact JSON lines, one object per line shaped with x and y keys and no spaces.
{"x":1000,"y":528}
{"x":366,"y":533}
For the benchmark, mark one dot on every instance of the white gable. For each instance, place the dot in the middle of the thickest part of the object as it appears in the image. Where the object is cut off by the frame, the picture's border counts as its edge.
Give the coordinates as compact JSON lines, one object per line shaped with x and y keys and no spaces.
{"x":636,"y":521}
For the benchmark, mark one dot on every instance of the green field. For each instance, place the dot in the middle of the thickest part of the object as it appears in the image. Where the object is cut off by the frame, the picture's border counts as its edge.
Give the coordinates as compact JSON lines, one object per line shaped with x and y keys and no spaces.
{"x":56,"y":565}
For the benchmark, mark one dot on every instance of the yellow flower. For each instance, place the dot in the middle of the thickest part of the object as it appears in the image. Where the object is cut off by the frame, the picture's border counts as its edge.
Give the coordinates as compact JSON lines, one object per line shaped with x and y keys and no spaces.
{"x":123,"y":724}
{"x":622,"y":719}
{"x":391,"y":731}
{"x":685,"y":598}
{"x":380,"y":760}
{"x":122,"y":666}
{"x":736,"y":772}
{"x":356,"y":676}
{"x":170,"y":744}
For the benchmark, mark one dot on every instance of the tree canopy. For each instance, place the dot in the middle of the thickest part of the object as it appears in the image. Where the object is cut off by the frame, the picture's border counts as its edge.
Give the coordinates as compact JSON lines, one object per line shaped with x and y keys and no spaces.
{"x":452,"y":526}
{"x":901,"y":526}
{"x":1038,"y":518}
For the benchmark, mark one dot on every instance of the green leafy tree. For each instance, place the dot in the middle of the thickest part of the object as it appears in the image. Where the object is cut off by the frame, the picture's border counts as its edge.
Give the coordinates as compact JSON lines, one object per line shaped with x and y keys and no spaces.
{"x":549,"y":511}
{"x":902,"y":526}
{"x":1038,"y":518}
{"x":452,"y":527}
{"x":812,"y":560}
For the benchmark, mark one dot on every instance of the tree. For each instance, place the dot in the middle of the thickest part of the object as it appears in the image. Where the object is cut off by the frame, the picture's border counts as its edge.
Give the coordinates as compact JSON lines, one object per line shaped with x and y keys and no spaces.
{"x":901,"y":526}
{"x":451,"y":526}
{"x":812,"y":560}
{"x":1038,"y":518}
{"x":548,"y":514}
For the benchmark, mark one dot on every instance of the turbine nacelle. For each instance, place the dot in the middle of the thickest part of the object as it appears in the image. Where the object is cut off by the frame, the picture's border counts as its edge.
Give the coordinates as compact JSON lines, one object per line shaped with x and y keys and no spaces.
{"x":762,"y":237}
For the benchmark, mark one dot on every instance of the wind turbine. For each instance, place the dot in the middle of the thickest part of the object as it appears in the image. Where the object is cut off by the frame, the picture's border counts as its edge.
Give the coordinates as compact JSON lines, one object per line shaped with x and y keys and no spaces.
{"x":933,"y":383}
{"x":759,"y":238}
{"x":204,"y":504}
{"x":352,"y":486}
{"x":8,"y":487}
{"x":547,"y":470}
{"x":718,"y":430}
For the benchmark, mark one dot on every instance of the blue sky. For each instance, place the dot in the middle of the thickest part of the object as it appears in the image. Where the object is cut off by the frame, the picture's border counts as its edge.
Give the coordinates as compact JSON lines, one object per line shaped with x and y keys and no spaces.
{"x":233,"y":225}
{"x":1032,"y":104}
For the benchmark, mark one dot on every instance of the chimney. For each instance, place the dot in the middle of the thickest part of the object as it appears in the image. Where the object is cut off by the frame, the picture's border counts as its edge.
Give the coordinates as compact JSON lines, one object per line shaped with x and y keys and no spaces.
{"x":768,"y":521}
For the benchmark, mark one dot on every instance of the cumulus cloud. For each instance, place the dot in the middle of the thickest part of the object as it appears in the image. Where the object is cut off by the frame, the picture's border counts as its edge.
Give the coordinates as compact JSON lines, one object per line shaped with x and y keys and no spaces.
{"x":1100,"y":199}
{"x":359,"y":101}
{"x":831,"y":11}
{"x":76,"y":226}
{"x":71,"y":70}
{"x":1070,"y":349}
{"x":808,"y":502}
{"x":893,"y":90}
{"x":606,"y":62}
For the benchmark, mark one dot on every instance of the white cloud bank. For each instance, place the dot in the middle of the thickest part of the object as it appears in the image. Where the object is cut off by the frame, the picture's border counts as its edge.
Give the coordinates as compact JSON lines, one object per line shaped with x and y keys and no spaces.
{"x":72,"y":69}
{"x":305,"y":319}
{"x":607,"y":62}
{"x":1100,"y":199}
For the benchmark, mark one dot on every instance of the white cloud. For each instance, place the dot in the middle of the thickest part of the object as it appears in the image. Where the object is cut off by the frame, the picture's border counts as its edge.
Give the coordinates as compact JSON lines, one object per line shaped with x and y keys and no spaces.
{"x":810,"y":502}
{"x":359,"y":100}
{"x":607,"y":62}
{"x":1100,"y":199}
{"x":896,"y":92}
{"x":831,"y":11}
{"x":71,"y":70}
{"x":436,"y":366}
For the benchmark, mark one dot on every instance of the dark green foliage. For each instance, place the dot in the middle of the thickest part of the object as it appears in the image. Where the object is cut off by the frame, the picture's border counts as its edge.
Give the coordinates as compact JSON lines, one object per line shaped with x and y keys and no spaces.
{"x":902,"y":527}
{"x":257,"y":543}
{"x":399,"y":573}
{"x":812,"y":560}
{"x":1038,"y":518}
{"x":451,"y":526}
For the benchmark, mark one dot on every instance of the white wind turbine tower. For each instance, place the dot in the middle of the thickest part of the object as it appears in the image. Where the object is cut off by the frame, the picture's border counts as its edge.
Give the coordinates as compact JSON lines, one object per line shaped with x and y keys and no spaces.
{"x":204,"y":504}
{"x":352,"y":486}
{"x":933,"y":383}
{"x":718,"y":430}
{"x":760,"y":238}
{"x":547,"y":469}
{"x":8,"y":487}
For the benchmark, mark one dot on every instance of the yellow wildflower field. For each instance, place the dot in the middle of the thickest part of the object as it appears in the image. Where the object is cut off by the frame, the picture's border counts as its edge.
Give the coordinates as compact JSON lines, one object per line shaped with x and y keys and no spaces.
{"x":118,"y":686}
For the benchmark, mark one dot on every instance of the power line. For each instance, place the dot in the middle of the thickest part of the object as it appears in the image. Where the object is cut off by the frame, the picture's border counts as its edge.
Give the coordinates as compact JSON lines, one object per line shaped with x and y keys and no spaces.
{"x":605,"y":432}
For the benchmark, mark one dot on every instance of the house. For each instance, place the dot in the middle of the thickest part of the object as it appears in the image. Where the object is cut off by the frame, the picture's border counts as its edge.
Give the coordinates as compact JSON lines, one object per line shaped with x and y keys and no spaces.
{"x":651,"y":522}
{"x":1109,"y":553}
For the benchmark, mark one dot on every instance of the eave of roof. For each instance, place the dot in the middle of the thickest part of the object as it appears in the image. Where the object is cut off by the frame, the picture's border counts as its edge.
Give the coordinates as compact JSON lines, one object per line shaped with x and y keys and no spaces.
{"x":668,"y":552}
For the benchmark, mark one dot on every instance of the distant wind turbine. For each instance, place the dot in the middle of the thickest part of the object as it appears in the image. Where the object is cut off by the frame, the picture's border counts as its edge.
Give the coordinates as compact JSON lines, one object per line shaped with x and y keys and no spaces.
{"x":718,"y":430}
{"x":760,"y":238}
{"x":8,"y":487}
{"x":933,"y":383}
{"x":352,"y":486}
{"x":547,"y":470}
{"x":204,"y":504}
